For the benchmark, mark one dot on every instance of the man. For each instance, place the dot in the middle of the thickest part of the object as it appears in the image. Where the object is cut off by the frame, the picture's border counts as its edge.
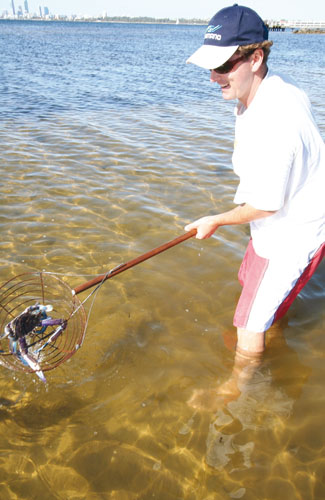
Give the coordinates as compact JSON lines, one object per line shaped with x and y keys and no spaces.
{"x":279,"y":158}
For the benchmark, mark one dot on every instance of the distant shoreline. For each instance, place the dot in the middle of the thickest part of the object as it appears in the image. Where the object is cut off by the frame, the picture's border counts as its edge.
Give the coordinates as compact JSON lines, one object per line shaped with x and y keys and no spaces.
{"x":183,"y":22}
{"x":147,"y":20}
{"x":308,"y":31}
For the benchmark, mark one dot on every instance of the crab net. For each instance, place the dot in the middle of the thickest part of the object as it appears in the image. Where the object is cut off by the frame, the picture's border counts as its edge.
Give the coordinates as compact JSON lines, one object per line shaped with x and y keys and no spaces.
{"x":44,"y":347}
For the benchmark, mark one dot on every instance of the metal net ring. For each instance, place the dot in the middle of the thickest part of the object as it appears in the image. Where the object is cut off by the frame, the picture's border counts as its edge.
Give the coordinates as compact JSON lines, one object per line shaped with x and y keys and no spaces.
{"x":26,"y":290}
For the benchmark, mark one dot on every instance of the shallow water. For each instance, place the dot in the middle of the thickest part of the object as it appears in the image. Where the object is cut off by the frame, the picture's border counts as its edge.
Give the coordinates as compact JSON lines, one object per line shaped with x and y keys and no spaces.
{"x":105,"y":154}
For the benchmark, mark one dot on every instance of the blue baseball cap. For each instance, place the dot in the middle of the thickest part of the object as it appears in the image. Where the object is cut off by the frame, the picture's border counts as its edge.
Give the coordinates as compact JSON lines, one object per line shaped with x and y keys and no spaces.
{"x":228,"y":29}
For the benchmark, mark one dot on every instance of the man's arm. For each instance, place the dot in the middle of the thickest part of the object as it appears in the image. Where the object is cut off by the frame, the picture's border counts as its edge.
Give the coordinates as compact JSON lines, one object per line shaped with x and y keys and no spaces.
{"x":241,"y":214}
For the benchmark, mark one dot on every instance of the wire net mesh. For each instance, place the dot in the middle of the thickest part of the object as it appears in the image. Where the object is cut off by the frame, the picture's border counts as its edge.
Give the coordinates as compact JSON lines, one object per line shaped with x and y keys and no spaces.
{"x":44,"y":288}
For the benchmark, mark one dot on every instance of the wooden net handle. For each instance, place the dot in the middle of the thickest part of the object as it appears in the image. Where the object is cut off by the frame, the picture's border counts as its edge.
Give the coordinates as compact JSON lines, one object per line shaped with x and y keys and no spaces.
{"x":127,"y":265}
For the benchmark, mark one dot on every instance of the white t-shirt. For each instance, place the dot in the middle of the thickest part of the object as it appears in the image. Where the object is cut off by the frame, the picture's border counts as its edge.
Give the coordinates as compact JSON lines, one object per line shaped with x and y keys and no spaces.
{"x":279,"y":157}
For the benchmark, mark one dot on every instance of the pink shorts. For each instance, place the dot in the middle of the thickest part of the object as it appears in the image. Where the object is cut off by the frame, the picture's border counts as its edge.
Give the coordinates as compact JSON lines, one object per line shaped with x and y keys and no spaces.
{"x":270,"y":287}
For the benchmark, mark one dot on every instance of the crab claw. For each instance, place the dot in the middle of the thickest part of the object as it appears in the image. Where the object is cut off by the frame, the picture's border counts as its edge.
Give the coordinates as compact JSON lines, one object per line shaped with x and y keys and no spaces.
{"x":39,"y":308}
{"x":34,"y":365}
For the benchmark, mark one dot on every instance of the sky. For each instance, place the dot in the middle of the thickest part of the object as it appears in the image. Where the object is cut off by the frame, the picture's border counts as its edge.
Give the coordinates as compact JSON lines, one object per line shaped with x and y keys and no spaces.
{"x":304,"y":10}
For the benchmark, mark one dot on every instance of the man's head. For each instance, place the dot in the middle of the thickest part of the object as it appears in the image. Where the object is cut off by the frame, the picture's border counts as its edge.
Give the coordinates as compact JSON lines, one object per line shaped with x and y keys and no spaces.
{"x":235,"y":49}
{"x":232,"y":30}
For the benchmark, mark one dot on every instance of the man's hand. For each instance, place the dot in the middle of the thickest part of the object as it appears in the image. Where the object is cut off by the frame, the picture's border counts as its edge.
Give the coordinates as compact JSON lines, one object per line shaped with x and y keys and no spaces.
{"x":205,"y":227}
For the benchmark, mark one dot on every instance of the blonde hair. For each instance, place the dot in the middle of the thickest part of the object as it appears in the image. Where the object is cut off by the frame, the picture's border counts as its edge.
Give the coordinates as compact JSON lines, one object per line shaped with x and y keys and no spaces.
{"x":247,"y":49}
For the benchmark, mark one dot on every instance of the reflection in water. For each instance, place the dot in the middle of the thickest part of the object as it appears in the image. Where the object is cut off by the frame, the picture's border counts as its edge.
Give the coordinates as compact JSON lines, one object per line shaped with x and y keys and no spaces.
{"x":253,"y":407}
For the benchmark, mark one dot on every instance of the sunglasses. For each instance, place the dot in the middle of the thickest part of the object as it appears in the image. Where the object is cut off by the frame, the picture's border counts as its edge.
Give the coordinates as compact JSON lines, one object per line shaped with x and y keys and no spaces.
{"x":228,"y":65}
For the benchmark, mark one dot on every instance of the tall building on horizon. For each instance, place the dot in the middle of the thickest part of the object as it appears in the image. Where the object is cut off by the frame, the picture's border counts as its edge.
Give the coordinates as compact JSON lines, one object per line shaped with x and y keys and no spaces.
{"x":26,"y":6}
{"x":13,"y":7}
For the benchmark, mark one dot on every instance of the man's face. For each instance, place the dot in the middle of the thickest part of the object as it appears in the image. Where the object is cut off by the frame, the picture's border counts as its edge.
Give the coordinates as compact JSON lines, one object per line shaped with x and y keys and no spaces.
{"x":239,"y":82}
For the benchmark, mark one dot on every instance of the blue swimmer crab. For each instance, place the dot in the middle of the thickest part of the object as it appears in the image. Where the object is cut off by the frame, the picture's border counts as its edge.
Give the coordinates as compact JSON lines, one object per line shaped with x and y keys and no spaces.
{"x":31,"y":322}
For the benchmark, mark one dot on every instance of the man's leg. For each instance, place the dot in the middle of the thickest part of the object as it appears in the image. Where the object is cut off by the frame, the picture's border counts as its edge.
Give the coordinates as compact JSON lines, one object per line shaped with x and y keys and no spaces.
{"x":248,"y":358}
{"x":250,"y":342}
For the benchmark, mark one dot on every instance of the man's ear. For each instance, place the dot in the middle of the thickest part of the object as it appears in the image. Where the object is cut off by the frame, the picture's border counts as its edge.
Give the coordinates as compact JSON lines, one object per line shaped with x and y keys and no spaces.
{"x":257,"y":59}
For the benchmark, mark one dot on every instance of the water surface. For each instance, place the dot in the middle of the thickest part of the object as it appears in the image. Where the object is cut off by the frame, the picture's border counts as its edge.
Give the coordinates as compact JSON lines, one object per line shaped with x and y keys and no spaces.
{"x":109,"y":145}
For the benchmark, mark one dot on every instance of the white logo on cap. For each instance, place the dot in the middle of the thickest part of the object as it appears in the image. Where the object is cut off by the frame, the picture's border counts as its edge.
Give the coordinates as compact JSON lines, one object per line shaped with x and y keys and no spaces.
{"x":212,"y":29}
{"x":211,"y":32}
